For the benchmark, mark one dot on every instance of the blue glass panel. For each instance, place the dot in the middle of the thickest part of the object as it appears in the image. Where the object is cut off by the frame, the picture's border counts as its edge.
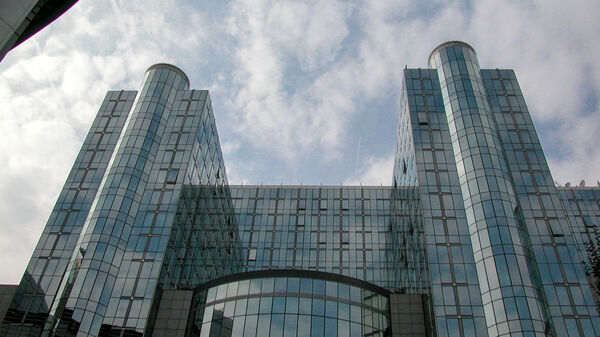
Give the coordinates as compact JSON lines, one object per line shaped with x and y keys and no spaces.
{"x":264,"y":324}
{"x":331,"y":309}
{"x":291,"y":325}
{"x":291,"y":306}
{"x":265,"y":305}
{"x":250,"y":326}
{"x":318,"y":307}
{"x":304,"y":327}
{"x":331,"y":325}
{"x":277,"y":325}
{"x":318,"y":327}
{"x":279,"y":305}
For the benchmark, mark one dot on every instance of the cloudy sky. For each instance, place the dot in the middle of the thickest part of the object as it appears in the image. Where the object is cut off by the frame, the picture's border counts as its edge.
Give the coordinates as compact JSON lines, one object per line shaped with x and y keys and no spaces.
{"x":303,"y":91}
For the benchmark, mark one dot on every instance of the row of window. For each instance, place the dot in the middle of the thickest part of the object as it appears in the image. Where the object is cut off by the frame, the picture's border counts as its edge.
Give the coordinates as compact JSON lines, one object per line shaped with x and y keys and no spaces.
{"x":309,"y":192}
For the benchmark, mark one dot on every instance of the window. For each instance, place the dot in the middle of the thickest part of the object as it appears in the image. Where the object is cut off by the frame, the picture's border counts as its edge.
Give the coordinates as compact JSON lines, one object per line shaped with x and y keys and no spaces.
{"x":422,"y":116}
{"x":252,"y":254}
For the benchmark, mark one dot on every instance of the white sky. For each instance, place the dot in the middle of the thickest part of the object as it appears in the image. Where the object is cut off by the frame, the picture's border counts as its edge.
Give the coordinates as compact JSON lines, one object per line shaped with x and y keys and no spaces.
{"x":303,"y":91}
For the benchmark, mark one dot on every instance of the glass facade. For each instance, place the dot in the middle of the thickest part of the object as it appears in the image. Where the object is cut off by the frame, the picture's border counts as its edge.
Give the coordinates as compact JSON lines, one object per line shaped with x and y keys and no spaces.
{"x":98,"y":262}
{"x":39,"y":285}
{"x":424,"y":159}
{"x":582,"y":206}
{"x":501,"y":244}
{"x":309,"y":304}
{"x":204,"y":242}
{"x":553,"y":242}
{"x":472,"y":239}
{"x":342,"y":230}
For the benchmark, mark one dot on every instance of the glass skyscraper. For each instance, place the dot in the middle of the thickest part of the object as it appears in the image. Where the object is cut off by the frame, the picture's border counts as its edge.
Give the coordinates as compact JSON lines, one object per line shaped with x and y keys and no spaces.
{"x":473,"y":238}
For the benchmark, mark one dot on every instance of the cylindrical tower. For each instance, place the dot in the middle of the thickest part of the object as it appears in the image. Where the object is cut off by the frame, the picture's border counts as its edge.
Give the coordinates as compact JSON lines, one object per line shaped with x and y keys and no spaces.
{"x":93,"y":269}
{"x":508,"y":275}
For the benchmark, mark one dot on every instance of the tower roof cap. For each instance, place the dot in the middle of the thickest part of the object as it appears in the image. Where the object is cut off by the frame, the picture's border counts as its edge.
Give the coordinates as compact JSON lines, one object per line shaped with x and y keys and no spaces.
{"x":448,"y":44}
{"x":170,"y":67}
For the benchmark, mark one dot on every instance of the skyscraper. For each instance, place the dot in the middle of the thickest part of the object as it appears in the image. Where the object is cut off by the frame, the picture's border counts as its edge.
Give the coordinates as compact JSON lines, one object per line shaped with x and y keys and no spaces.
{"x":472,"y":239}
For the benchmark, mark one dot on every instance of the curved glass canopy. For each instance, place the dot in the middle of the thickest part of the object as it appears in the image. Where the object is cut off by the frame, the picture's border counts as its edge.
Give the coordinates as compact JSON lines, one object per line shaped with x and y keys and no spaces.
{"x":290,"y":304}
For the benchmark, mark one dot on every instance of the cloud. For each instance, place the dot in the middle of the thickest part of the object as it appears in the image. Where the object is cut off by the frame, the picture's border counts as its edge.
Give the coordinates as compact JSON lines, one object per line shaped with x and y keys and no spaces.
{"x":554,"y":48}
{"x":312,"y":32}
{"x":374,"y":171}
{"x":273,"y":37}
{"x":580,"y":154}
{"x":32,"y":174}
